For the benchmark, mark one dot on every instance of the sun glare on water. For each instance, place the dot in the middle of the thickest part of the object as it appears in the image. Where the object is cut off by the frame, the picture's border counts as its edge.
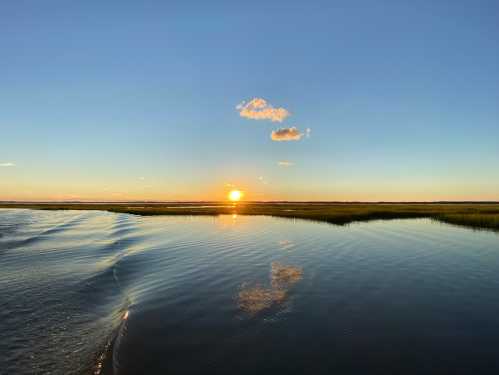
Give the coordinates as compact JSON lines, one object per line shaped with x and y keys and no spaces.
{"x":235,"y":195}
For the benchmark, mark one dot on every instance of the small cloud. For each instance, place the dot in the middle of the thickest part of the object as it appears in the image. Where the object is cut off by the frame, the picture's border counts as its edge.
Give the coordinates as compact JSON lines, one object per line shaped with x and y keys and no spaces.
{"x":286,"y":134}
{"x":307,"y":132}
{"x":285,"y":163}
{"x":259,"y":109}
{"x":262,"y":180}
{"x":142,"y":178}
{"x":7,"y":165}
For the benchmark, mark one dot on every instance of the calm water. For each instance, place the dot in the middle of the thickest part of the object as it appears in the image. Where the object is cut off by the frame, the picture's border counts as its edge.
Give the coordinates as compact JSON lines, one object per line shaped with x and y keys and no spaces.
{"x":95,"y":292}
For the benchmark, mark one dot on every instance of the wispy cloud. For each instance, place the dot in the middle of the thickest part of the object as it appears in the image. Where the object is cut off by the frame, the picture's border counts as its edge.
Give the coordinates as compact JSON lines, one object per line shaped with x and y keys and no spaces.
{"x":7,"y":165}
{"x":286,"y":134}
{"x":259,"y":109}
{"x":263,"y":180}
{"x":285,"y":163}
{"x":141,"y":178}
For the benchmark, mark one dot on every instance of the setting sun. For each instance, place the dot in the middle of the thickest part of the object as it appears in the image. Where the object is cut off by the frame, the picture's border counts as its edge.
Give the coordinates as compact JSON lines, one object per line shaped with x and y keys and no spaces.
{"x":235,"y":195}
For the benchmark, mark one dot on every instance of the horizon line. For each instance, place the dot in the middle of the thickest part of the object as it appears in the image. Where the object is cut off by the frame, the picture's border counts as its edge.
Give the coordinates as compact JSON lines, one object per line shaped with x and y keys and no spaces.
{"x":241,"y":202}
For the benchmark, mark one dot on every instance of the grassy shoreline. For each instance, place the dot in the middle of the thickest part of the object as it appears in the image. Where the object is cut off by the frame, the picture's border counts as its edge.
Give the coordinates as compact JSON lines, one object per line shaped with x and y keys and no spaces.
{"x":473,"y":215}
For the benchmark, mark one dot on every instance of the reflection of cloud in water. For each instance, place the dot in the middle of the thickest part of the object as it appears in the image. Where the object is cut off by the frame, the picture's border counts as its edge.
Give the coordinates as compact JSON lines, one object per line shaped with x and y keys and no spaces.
{"x":286,"y":244}
{"x":284,"y":276}
{"x":257,"y":298}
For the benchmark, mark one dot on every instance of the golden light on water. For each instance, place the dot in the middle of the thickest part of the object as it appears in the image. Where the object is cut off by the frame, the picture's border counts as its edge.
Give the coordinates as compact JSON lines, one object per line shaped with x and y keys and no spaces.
{"x":235,"y":195}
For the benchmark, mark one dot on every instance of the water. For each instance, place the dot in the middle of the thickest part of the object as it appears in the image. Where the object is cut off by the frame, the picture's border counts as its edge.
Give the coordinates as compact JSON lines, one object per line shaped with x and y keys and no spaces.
{"x":94,"y":292}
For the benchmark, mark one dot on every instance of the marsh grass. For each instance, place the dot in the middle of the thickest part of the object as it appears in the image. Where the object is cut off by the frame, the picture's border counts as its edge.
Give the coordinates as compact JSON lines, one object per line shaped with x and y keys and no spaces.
{"x":474,"y":215}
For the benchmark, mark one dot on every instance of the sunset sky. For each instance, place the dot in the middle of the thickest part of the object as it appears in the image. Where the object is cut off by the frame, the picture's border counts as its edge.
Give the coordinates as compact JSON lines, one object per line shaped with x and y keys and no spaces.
{"x":187,"y":100}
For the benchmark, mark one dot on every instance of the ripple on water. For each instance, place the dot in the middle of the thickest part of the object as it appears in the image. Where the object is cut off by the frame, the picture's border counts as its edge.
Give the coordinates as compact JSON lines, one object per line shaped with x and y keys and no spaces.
{"x":123,"y":294}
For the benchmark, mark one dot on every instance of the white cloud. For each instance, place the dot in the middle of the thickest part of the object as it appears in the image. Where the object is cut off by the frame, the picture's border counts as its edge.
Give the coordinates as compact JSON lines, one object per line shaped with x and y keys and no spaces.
{"x":259,"y":109}
{"x":285,"y":163}
{"x":7,"y":165}
{"x":286,"y":134}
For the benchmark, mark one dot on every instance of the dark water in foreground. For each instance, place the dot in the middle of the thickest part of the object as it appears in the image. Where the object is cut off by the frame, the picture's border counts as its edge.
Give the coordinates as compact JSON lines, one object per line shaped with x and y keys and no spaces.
{"x":244,"y":295}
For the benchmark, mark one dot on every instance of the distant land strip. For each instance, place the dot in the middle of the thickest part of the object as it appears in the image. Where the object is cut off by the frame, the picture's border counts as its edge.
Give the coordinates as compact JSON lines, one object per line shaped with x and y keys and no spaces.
{"x":479,"y":215}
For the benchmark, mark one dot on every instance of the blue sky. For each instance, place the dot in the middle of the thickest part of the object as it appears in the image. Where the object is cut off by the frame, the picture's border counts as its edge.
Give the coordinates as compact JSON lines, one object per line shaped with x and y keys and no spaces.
{"x":137,"y":100}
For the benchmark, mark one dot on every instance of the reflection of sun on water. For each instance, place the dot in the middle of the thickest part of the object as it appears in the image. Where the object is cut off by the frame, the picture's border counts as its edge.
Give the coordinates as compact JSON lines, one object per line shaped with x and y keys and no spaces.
{"x":232,"y":220}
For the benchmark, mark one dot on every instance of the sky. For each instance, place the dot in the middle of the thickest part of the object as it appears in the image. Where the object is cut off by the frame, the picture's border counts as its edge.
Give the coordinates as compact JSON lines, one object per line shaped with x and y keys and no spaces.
{"x":284,"y":100}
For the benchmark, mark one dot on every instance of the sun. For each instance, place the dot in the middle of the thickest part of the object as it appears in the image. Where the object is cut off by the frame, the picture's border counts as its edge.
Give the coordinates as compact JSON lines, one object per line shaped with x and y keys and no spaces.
{"x":235,"y":195}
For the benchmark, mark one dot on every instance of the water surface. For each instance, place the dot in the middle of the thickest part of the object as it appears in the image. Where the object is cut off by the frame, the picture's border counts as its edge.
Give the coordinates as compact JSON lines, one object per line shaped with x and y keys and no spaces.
{"x":96,"y":292}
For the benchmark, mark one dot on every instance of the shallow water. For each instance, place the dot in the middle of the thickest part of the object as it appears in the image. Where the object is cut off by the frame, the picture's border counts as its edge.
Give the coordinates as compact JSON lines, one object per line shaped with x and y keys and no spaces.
{"x":96,"y":292}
